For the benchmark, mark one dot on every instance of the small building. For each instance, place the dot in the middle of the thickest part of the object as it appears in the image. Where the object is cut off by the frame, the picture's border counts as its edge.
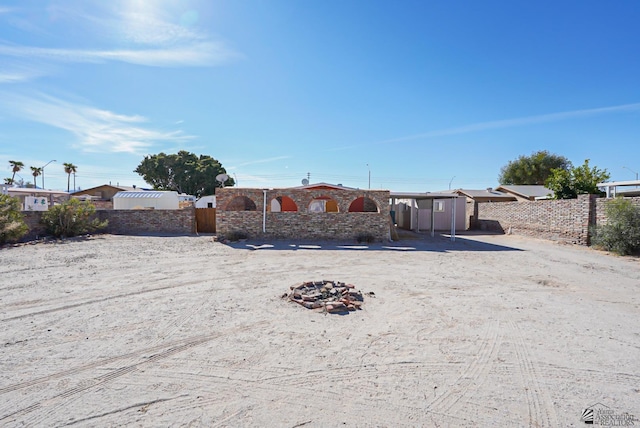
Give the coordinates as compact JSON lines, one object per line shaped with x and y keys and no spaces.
{"x":208,"y":201}
{"x":34,"y":199}
{"x":147,"y":199}
{"x":428,"y":211}
{"x":315,"y":211}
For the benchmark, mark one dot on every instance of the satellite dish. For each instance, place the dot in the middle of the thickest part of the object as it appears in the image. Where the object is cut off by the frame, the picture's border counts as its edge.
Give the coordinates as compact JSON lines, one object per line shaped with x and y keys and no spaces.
{"x":222,"y":178}
{"x":305,"y":182}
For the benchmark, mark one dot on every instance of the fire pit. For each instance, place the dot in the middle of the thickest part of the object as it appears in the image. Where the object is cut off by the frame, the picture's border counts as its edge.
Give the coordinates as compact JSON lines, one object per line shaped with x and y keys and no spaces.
{"x":326,"y":296}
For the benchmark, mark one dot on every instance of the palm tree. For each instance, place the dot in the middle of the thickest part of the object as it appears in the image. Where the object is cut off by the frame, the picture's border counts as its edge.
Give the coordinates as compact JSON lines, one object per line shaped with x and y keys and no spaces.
{"x":35,"y":171}
{"x":16,"y":166}
{"x":8,"y":181}
{"x":69,"y":168}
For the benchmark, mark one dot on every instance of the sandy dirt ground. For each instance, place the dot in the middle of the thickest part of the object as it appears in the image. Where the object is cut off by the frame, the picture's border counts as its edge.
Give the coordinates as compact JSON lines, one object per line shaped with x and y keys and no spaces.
{"x":492,"y":331}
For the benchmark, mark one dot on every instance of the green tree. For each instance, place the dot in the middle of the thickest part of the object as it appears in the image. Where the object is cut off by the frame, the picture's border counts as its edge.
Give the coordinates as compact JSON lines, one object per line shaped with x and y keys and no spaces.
{"x":183,"y":172}
{"x":69,"y":168}
{"x":8,"y":181}
{"x":71,"y":218}
{"x":621,"y":232}
{"x":12,"y":226}
{"x":534,"y":169}
{"x":580,"y":180}
{"x":16,"y":166}
{"x":35,"y":171}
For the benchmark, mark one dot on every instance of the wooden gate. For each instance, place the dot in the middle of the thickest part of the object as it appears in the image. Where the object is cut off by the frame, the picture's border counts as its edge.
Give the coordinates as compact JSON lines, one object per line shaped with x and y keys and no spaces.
{"x":205,"y":220}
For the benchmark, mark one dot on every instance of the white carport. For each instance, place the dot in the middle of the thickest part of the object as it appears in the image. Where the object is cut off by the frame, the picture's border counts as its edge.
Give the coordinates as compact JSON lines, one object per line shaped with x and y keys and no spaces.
{"x":611,"y":188}
{"x":151,"y":199}
{"x":428,"y":200}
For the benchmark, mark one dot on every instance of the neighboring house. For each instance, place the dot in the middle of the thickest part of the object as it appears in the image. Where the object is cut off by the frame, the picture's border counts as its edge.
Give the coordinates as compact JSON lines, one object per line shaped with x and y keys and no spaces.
{"x":104,"y":192}
{"x":34,"y":199}
{"x":317,"y":211}
{"x":473,"y":197}
{"x":208,"y":201}
{"x":485,"y":195}
{"x":530,"y":192}
{"x":146,"y":199}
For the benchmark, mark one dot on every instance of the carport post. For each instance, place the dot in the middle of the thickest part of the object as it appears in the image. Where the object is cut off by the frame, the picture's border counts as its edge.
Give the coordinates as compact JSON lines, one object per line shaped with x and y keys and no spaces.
{"x":264,"y":211}
{"x":453,"y":219}
{"x":433,"y":219}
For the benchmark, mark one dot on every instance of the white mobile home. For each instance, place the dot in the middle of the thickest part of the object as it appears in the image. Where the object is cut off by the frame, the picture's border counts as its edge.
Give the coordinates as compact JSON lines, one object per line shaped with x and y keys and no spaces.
{"x":208,"y":201}
{"x":152,"y":199}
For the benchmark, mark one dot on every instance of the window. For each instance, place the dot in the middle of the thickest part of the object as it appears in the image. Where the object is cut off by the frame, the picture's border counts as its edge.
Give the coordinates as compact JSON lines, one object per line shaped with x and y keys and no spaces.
{"x":438,"y":206}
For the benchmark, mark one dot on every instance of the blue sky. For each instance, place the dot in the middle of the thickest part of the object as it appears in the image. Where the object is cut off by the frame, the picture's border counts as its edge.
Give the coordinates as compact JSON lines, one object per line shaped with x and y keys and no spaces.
{"x":421,"y":94}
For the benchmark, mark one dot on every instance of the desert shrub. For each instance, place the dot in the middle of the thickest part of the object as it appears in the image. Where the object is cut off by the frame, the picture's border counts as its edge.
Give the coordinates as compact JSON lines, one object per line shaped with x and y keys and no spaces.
{"x":72,"y":218}
{"x":621,"y":233}
{"x":236,"y":235}
{"x":12,"y":226}
{"x":366,"y":238}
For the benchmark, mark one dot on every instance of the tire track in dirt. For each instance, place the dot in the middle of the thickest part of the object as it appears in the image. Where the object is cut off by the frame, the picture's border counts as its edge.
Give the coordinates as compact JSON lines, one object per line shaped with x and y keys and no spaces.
{"x":541,"y":411}
{"x":474,"y":374}
{"x":94,"y":301}
{"x":159,"y":352}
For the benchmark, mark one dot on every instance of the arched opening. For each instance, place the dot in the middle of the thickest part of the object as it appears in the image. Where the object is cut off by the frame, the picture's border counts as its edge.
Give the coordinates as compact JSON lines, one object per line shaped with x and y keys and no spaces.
{"x":323,"y":204}
{"x":283,"y":204}
{"x":363,"y":205}
{"x":241,"y":203}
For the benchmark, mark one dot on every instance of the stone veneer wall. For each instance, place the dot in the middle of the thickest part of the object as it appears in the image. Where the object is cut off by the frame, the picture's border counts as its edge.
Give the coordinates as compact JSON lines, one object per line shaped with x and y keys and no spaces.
{"x":143,"y":222}
{"x":128,"y":222}
{"x":302,"y":224}
{"x":565,"y":220}
{"x":600,"y":211}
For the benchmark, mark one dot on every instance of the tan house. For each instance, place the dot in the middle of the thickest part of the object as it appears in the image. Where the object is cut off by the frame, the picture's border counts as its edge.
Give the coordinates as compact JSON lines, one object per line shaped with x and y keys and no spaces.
{"x":529,"y":192}
{"x":105,"y":192}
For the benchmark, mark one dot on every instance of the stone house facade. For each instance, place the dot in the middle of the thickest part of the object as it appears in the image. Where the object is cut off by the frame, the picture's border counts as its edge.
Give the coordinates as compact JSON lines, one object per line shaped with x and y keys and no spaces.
{"x":320,"y":211}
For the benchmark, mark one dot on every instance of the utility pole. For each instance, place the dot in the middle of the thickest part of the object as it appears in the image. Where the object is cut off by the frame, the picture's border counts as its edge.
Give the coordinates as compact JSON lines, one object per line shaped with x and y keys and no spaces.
{"x":369,"y":168}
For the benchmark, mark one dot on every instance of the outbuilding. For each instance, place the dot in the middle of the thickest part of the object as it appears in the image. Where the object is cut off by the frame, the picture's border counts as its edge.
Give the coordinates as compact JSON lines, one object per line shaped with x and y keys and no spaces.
{"x":149,"y":199}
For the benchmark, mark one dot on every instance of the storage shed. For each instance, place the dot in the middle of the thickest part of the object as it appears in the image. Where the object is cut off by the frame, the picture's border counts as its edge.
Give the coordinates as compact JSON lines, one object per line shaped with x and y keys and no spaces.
{"x":152,"y":199}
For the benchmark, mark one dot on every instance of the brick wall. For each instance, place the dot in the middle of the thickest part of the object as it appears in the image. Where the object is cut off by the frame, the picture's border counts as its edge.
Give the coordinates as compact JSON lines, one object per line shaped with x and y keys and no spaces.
{"x":128,"y":222}
{"x":565,"y":220}
{"x":36,"y":230}
{"x":142,"y":222}
{"x":302,"y":224}
{"x":600,"y":210}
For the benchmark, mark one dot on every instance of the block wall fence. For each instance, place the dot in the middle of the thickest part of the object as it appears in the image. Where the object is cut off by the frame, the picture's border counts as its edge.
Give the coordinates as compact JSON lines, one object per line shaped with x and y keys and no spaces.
{"x":129,"y":222}
{"x":301,"y":224}
{"x":565,"y":220}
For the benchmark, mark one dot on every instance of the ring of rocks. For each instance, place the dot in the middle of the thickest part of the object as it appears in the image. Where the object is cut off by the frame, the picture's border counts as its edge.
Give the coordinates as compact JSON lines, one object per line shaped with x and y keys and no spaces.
{"x":326,"y":296}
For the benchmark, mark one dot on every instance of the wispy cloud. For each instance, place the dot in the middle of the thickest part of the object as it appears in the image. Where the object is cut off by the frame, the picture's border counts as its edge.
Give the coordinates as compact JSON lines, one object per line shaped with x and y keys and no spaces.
{"x":202,"y":54}
{"x":522,"y":121}
{"x":135,"y":32}
{"x":506,"y":123}
{"x":96,"y":130}
{"x":266,"y":160}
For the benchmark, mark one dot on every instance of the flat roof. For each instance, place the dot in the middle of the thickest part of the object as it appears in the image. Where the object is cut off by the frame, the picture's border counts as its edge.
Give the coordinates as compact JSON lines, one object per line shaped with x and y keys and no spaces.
{"x":30,"y":190}
{"x":423,"y":195}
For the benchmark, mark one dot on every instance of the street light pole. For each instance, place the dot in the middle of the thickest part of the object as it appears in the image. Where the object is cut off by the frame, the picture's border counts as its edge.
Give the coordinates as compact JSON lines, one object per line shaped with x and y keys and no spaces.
{"x":43,"y":171}
{"x":633,"y":172}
